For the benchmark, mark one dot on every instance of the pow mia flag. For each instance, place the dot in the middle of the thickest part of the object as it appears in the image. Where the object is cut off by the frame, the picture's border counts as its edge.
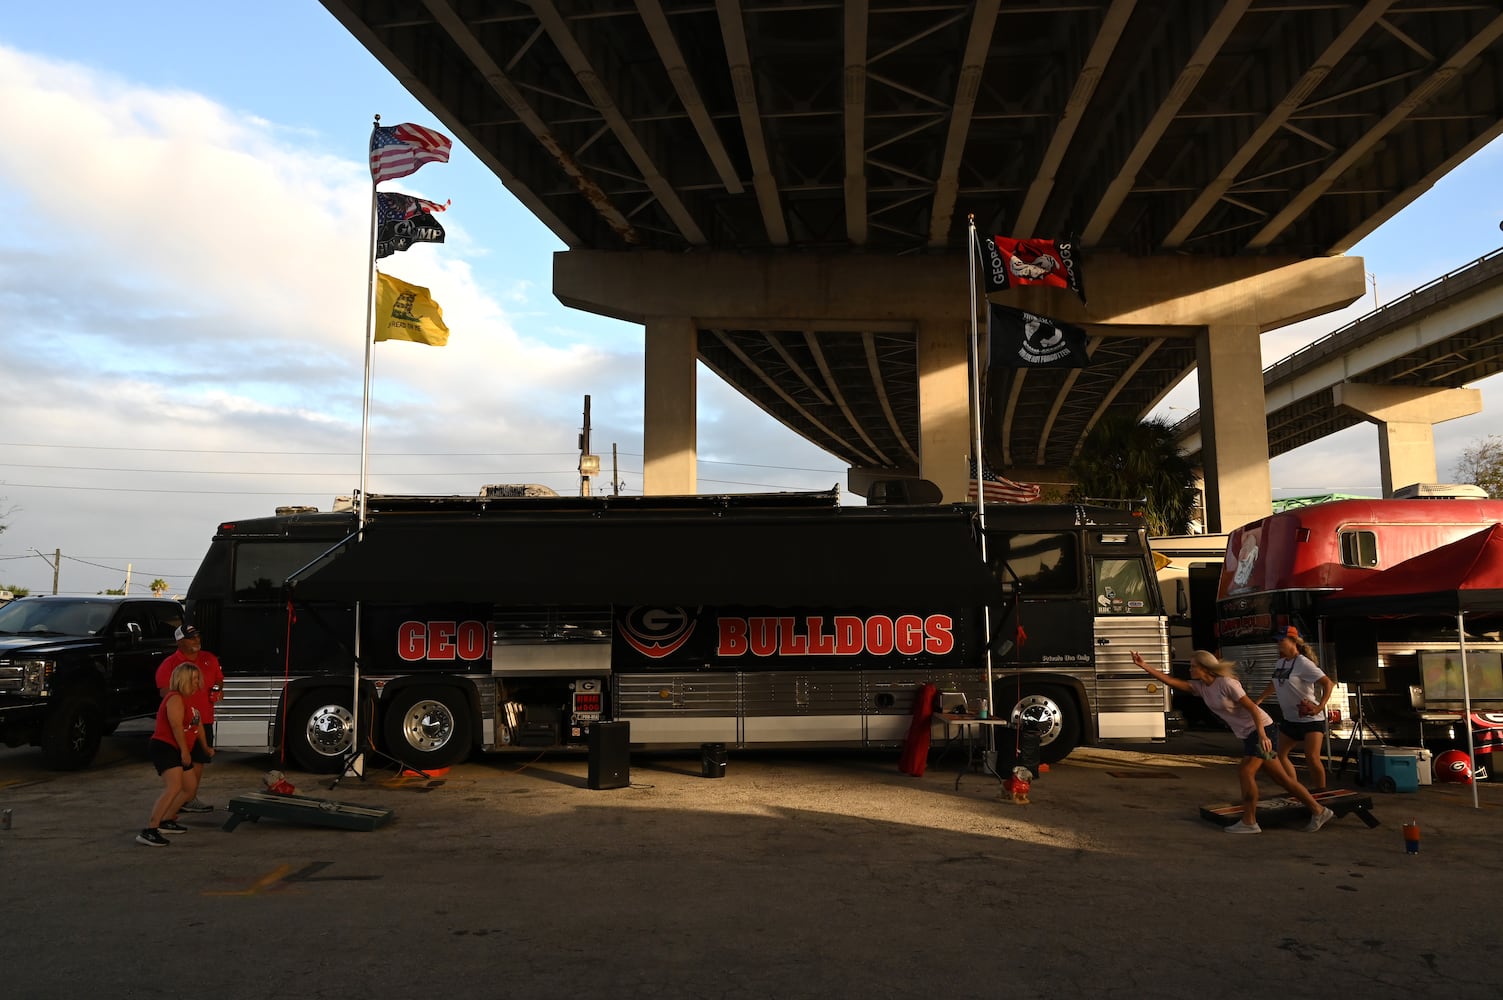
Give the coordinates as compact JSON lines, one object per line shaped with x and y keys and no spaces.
{"x":1021,"y":339}
{"x":404,"y":220}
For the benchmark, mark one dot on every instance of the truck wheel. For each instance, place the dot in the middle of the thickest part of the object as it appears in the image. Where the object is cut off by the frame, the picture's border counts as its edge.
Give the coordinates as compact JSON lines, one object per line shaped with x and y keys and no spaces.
{"x":428,"y":727}
{"x":71,"y":734}
{"x":1053,"y":712}
{"x":320,"y":732}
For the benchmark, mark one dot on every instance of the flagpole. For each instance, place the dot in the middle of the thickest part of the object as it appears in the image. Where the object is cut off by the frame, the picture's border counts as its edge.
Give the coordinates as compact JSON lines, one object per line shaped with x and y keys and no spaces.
{"x":354,"y":763}
{"x":976,"y":459}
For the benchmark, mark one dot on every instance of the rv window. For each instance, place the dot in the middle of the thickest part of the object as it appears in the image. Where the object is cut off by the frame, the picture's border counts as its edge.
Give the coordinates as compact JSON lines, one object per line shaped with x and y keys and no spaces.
{"x":262,"y":567}
{"x":1359,"y":548}
{"x":1041,"y":563}
{"x":1441,"y":672}
{"x":1122,"y":588}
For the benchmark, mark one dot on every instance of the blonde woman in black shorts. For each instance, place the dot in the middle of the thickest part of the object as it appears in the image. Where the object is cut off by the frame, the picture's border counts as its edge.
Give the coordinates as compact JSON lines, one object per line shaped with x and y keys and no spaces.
{"x":1303,"y":690}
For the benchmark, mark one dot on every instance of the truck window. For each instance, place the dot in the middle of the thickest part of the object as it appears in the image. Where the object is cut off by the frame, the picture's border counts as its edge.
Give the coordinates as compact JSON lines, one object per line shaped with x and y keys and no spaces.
{"x":262,"y":567}
{"x":1039,"y":562}
{"x":1359,"y":548}
{"x":1122,"y":587}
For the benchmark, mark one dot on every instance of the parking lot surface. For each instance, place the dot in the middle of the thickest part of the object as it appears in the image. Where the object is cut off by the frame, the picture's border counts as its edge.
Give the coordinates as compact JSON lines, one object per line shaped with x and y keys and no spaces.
{"x":795,"y":875}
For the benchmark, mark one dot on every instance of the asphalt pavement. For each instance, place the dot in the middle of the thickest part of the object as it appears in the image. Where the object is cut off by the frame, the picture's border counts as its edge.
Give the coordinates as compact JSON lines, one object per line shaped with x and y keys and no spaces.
{"x":795,"y":875}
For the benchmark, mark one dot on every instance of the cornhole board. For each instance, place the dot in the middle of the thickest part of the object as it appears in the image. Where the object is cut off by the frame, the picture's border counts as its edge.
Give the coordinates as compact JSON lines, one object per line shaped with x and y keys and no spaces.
{"x":305,"y":810}
{"x":1287,"y":809}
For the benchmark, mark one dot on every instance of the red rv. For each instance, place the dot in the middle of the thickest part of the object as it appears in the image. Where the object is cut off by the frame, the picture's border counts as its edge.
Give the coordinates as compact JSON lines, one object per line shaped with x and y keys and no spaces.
{"x":1386,"y":589}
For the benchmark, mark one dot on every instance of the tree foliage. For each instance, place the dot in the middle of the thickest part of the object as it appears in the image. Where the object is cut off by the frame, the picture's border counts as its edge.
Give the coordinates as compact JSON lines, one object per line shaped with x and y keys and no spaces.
{"x":1482,"y":464}
{"x":158,"y":587}
{"x":16,"y":591}
{"x":1126,"y":459}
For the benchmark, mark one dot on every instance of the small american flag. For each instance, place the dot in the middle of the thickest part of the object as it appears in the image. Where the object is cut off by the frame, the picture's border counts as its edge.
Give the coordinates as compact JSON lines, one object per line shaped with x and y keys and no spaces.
{"x":402,"y":149}
{"x":999,"y":489}
{"x":392,"y":206}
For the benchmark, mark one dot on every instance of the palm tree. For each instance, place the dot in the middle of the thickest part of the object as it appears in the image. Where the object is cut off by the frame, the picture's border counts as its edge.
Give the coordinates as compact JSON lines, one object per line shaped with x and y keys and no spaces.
{"x":158,"y":587}
{"x":1125,"y":459}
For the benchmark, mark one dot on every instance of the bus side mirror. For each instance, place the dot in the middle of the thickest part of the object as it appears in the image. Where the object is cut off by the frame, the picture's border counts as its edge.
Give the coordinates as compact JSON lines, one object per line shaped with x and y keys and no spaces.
{"x":1181,"y":599}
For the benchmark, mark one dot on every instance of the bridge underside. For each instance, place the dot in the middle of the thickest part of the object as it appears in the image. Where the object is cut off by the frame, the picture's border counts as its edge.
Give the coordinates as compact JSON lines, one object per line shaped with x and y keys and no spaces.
{"x":871,"y":129}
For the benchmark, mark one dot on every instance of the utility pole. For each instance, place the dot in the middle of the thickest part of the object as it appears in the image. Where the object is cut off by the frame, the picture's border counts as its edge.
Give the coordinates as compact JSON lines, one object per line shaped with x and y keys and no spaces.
{"x":615,"y":473}
{"x":589,"y":465}
{"x":55,"y":563}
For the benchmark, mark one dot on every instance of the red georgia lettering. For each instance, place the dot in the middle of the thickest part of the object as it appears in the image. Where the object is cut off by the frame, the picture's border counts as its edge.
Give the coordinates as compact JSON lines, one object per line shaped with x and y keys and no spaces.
{"x":820,"y":644}
{"x":879,"y":635}
{"x":764,"y":636}
{"x":441,"y":640}
{"x":474,"y":637}
{"x":792,"y":643}
{"x":410,"y":640}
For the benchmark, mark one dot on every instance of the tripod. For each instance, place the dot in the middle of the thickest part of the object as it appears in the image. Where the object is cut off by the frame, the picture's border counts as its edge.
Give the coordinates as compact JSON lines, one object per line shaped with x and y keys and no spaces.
{"x":354,"y":761}
{"x":1356,"y":740}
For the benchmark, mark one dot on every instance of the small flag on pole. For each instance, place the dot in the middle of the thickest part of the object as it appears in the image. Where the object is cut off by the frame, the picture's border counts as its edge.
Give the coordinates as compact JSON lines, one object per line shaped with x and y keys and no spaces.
{"x":405,"y":220}
{"x":1009,"y":262}
{"x":408,"y":312}
{"x":999,"y":489}
{"x":402,"y":149}
{"x":1019,"y":339}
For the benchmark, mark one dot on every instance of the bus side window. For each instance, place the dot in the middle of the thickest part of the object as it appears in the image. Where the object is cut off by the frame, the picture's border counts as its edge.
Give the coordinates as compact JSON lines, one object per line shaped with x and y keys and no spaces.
{"x":1122,"y":587}
{"x":1359,"y":548}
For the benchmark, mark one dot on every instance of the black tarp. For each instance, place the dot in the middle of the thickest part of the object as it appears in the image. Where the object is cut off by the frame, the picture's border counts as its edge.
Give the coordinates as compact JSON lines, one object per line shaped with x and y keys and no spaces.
{"x":849,"y":558}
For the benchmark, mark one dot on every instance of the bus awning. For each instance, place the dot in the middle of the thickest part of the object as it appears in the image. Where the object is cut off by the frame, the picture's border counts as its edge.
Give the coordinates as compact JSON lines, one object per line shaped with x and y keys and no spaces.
{"x":846,"y":561}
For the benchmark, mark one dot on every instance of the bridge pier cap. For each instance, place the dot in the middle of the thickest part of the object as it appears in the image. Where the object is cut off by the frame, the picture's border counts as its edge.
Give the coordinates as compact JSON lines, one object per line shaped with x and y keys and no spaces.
{"x":1266,"y":292}
{"x":1210,"y":298}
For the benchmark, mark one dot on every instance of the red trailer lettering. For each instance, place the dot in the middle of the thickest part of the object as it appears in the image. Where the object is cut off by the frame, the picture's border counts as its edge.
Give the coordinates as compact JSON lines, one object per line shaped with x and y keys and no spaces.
{"x":848,"y":635}
{"x":411,"y":642}
{"x":879,"y":635}
{"x":733,"y":640}
{"x":820,"y":644}
{"x":442,"y":640}
{"x":939,"y":633}
{"x":910,"y":635}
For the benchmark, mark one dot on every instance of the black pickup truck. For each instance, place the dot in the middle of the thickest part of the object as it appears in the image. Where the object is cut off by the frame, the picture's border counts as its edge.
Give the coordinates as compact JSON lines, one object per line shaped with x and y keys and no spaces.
{"x":72,"y":668}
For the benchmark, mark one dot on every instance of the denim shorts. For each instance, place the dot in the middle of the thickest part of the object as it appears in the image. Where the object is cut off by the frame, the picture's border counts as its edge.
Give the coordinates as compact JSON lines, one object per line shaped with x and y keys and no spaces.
{"x":1252,"y":747}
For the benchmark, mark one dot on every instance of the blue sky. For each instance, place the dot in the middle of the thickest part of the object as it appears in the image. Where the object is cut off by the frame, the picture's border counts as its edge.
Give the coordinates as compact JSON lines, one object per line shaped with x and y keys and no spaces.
{"x":185,"y":274}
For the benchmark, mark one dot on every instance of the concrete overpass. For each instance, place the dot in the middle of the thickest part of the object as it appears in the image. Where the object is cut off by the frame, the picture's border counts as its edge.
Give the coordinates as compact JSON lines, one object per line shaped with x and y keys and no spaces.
{"x":779,"y":188}
{"x":1403,"y":367}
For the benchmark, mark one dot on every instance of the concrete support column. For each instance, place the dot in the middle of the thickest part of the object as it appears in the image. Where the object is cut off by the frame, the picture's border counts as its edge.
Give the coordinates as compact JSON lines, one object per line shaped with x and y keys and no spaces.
{"x":1406,"y":417}
{"x":669,"y":430}
{"x":1234,"y":423}
{"x":944,"y":405}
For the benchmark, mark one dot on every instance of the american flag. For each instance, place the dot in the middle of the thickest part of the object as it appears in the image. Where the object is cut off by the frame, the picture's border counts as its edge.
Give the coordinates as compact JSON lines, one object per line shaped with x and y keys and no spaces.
{"x":402,"y":149}
{"x":392,"y":206}
{"x":1000,"y":489}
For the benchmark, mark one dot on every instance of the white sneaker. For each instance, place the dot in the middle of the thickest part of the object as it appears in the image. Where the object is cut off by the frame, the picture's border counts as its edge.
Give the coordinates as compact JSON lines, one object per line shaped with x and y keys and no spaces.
{"x":1241,"y":827}
{"x":1319,"y":820}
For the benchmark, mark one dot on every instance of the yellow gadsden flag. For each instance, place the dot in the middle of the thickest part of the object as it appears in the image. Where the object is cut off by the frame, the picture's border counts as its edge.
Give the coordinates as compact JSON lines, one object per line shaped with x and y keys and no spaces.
{"x":408,"y":312}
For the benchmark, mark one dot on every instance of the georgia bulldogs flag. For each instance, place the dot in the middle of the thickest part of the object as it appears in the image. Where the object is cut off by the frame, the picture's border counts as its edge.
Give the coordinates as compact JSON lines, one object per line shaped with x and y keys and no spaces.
{"x":1009,"y":262}
{"x":1019,"y":339}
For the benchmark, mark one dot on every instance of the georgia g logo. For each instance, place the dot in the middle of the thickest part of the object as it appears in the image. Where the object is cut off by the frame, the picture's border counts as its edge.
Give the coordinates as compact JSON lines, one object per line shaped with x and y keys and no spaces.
{"x":657,"y":632}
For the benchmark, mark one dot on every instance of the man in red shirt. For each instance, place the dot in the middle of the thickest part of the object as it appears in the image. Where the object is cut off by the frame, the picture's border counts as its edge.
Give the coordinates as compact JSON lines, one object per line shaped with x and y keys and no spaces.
{"x":190,"y":650}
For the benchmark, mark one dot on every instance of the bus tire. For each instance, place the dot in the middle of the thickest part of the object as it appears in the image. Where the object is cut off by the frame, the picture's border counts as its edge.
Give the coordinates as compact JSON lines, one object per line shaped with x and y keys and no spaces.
{"x":320,"y":731}
{"x":1054,"y":711}
{"x":71,"y":733}
{"x":427,"y":727}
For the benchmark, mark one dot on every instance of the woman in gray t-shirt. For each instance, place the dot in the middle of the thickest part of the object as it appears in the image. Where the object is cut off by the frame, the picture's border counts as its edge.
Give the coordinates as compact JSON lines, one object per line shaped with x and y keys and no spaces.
{"x":1215,"y":681}
{"x":1303,"y":690}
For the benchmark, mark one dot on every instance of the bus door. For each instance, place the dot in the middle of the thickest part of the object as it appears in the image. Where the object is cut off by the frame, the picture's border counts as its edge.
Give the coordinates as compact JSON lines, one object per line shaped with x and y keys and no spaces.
{"x":1130,"y":704}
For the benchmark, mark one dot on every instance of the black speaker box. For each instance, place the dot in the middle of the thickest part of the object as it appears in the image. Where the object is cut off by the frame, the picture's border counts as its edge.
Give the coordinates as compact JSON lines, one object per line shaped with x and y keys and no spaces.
{"x":610,"y":755}
{"x":1354,"y":643}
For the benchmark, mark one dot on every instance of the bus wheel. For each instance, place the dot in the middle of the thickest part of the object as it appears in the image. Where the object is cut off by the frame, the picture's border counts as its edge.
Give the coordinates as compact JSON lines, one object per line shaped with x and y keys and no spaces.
{"x":428,"y":727}
{"x":320,"y":732}
{"x":1052,"y":712}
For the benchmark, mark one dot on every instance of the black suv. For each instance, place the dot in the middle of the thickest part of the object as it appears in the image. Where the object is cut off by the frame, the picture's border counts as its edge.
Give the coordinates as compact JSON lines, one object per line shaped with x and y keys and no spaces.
{"x":72,"y":668}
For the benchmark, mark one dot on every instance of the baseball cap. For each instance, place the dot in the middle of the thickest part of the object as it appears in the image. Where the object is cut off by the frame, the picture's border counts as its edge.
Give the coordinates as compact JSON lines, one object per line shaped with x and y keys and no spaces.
{"x":1292,"y":632}
{"x":186,"y":632}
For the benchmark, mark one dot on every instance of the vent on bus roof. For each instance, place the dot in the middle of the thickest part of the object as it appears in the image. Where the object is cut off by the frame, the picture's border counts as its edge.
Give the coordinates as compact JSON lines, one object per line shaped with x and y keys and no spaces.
{"x":1440,"y":491}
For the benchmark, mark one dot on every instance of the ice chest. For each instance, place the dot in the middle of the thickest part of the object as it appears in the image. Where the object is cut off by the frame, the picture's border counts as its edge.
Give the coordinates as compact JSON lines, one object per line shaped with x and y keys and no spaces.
{"x":1392,"y":769}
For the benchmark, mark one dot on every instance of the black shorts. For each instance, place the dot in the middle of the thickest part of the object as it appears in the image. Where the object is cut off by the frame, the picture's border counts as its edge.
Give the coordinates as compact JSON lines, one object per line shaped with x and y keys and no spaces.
{"x":164,"y":756}
{"x":1297,"y":730}
{"x":208,"y":728}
